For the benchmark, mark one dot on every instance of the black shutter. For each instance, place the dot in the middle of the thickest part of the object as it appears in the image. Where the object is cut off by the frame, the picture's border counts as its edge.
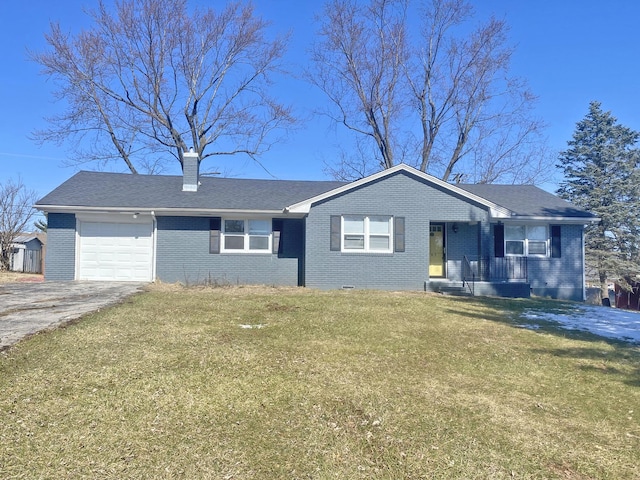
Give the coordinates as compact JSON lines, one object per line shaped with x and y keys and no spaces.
{"x":398,"y":234}
{"x":335,"y":233}
{"x":214,"y":235}
{"x":277,"y":235}
{"x":556,"y":241}
{"x":498,"y":240}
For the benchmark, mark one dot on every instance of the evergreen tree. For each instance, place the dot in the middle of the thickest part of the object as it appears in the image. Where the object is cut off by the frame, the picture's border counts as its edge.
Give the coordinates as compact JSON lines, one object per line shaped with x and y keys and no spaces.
{"x":602,"y":175}
{"x":41,"y":224}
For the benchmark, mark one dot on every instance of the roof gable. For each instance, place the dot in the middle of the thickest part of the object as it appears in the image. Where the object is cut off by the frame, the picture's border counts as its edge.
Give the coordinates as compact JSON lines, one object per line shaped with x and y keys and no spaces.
{"x":497,"y":210}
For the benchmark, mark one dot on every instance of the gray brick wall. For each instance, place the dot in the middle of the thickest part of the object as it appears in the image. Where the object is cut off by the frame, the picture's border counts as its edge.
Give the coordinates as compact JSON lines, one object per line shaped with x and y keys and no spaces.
{"x":182,"y":255}
{"x":397,"y":195}
{"x":465,"y":242}
{"x":562,"y":277}
{"x":60,"y":262}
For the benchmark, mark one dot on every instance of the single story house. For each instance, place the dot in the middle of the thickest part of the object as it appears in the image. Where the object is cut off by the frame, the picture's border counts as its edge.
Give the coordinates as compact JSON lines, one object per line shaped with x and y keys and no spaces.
{"x":399,"y":229}
{"x":27,"y":253}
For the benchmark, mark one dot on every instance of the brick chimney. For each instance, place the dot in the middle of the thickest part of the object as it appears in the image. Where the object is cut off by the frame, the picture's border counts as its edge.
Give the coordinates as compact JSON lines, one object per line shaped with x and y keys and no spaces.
{"x":190,"y":171}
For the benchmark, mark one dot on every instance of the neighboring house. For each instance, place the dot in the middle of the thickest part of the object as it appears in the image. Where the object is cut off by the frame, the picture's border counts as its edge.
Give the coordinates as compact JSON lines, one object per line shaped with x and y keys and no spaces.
{"x":28,"y":253}
{"x":399,"y":229}
{"x":627,"y":299}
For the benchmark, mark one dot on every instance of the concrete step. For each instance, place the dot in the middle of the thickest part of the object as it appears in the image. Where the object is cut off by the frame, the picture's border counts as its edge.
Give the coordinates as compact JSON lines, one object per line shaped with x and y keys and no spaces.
{"x":451,"y":288}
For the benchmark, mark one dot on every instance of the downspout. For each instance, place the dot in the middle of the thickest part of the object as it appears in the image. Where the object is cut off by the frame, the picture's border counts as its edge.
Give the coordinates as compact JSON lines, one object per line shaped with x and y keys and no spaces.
{"x":155,"y":245}
{"x":584,"y":276}
{"x":481,"y":226}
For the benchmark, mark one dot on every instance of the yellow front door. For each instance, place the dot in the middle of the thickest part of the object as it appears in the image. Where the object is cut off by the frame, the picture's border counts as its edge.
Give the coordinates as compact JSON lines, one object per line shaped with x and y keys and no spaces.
{"x":436,"y":250}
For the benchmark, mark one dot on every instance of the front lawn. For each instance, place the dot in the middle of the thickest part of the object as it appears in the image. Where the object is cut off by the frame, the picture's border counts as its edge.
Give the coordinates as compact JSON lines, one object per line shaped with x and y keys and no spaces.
{"x":257,"y":383}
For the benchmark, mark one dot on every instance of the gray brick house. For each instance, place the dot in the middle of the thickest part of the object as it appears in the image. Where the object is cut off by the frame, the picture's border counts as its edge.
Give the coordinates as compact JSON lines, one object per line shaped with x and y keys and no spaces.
{"x":399,"y":229}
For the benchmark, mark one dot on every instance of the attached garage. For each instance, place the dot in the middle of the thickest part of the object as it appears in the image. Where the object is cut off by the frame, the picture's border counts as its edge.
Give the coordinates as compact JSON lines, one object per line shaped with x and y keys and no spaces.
{"x":115,"y":251}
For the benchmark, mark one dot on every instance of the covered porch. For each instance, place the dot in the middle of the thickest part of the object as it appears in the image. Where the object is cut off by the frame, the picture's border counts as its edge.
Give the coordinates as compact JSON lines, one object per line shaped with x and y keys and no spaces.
{"x":487,"y":275}
{"x":504,"y":276}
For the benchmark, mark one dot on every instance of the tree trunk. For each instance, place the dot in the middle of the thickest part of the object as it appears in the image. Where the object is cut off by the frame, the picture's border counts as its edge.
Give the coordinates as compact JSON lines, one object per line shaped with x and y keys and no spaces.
{"x":604,"y":286}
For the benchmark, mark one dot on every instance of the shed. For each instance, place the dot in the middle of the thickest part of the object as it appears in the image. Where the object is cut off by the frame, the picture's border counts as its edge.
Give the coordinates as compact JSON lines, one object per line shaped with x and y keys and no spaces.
{"x":28,"y":253}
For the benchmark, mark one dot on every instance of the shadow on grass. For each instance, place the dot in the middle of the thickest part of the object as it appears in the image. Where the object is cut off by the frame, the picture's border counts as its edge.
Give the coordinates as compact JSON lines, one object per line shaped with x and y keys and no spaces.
{"x":511,"y":312}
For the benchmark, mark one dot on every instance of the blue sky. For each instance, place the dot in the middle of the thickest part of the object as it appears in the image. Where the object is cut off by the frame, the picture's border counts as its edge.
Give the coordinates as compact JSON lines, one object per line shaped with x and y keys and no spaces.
{"x":571,"y":52}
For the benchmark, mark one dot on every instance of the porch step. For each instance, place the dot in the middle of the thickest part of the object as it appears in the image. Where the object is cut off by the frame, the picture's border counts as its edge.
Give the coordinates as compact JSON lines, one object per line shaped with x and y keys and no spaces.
{"x":451,"y":288}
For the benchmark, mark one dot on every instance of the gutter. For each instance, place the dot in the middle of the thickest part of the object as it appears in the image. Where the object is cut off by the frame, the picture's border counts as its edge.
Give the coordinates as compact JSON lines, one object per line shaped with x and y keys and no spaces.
{"x":572,"y":220}
{"x":191,"y":212}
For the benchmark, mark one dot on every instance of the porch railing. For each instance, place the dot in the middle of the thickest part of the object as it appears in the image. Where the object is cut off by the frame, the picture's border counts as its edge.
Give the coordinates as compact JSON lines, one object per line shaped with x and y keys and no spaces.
{"x":493,"y":269}
{"x":468,"y":275}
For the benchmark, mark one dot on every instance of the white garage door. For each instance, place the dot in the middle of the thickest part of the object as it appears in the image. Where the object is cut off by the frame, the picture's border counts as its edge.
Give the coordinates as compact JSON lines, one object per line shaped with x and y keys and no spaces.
{"x":116,"y":251}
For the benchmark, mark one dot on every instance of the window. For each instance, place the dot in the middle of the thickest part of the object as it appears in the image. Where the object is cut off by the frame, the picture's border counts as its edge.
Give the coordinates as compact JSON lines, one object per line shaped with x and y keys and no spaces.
{"x":514,"y":239}
{"x":246,"y":235}
{"x":366,"y":233}
{"x":529,"y":240}
{"x":353,"y":228}
{"x":537,"y":240}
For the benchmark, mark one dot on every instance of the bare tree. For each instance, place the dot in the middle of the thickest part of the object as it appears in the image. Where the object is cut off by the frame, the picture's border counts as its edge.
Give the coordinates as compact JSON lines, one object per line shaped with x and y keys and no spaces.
{"x":16,"y":212}
{"x":359,"y":65}
{"x":150,"y":78}
{"x":438,"y":97}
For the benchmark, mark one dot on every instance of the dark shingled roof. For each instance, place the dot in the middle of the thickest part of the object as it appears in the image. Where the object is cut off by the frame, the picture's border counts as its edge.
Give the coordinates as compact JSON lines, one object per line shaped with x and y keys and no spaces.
{"x":127,"y":191}
{"x":100,"y":189}
{"x":526,"y":200}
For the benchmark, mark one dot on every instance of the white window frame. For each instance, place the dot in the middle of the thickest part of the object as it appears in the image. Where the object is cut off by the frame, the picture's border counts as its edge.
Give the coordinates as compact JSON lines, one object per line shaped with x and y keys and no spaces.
{"x":246,"y":235}
{"x":367,"y":234}
{"x":527,"y":240}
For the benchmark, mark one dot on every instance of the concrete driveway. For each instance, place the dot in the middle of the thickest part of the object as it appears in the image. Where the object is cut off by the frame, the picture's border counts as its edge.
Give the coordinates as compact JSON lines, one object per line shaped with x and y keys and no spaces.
{"x":27,"y":308}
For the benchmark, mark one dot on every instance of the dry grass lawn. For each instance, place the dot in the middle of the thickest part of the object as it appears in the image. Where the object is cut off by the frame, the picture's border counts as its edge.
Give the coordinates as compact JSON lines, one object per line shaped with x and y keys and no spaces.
{"x":257,"y":383}
{"x":13,"y":277}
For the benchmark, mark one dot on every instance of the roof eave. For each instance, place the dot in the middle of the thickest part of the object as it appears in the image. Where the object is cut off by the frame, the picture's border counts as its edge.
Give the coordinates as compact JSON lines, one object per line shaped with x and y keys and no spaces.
{"x":189,"y":212}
